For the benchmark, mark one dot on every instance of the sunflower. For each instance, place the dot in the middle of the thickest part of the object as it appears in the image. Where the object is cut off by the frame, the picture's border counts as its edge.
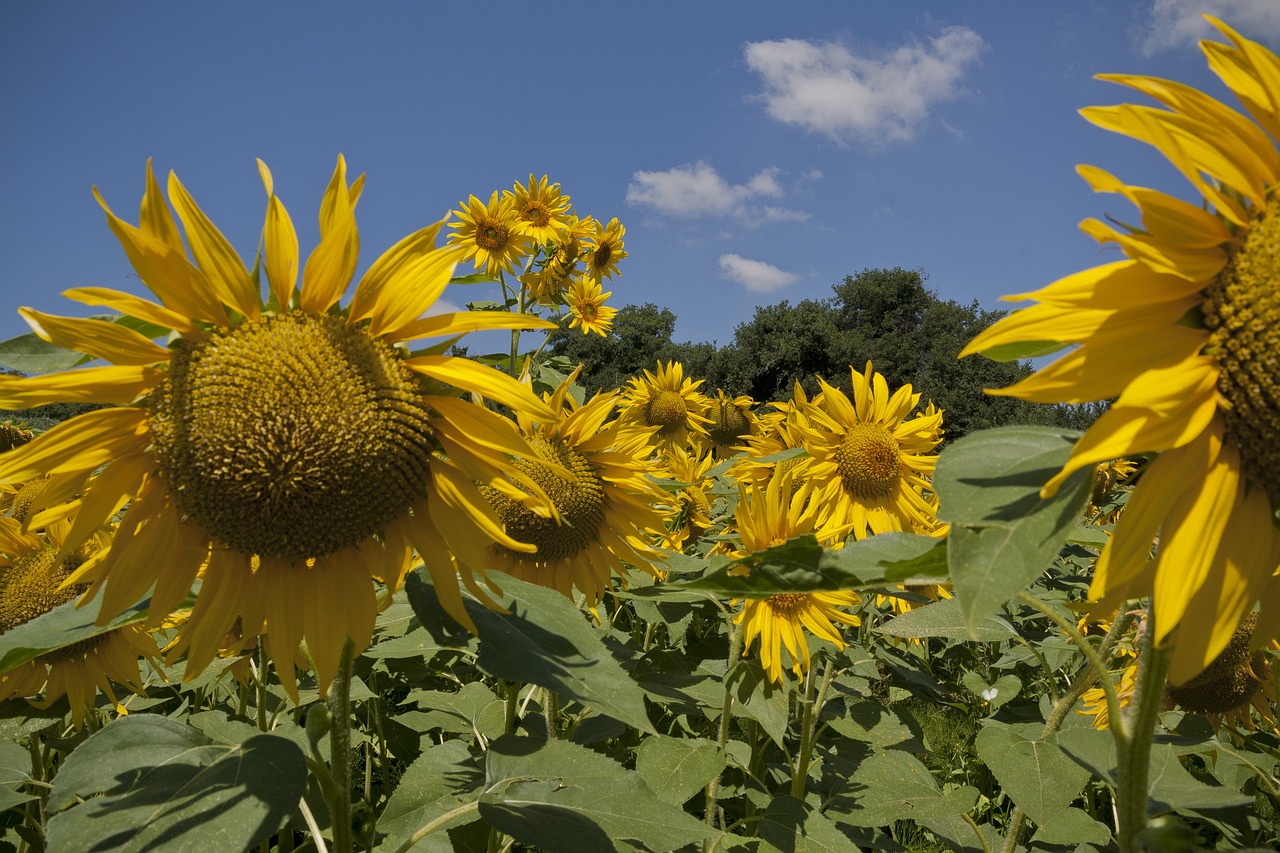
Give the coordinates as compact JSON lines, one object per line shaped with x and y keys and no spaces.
{"x":293,"y":446}
{"x":586,"y":303}
{"x":1095,"y":698}
{"x":870,"y":466}
{"x":605,"y":250}
{"x":541,"y":210}
{"x":605,"y":509}
{"x":32,"y":571}
{"x":775,"y":432}
{"x":491,"y":234}
{"x":1184,"y":334}
{"x":1237,"y":680}
{"x":693,"y":500}
{"x":770,"y":517}
{"x":732,"y":422}
{"x":669,"y":402}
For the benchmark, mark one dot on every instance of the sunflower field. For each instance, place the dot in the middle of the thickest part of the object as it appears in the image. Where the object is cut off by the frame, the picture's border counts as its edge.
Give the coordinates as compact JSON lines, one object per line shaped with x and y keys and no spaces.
{"x":303,"y":575}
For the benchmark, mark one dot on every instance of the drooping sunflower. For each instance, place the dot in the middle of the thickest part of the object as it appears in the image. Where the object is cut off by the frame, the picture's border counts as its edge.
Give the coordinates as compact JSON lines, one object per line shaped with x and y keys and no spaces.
{"x":692,"y":503}
{"x":605,"y":508}
{"x":1237,"y":682}
{"x":491,"y":234}
{"x":605,"y":249}
{"x":586,"y":304}
{"x":293,"y":446}
{"x":731,"y":423}
{"x":32,"y":570}
{"x":1184,"y":333}
{"x":770,"y":517}
{"x":541,"y":210}
{"x":668,"y":401}
{"x":871,"y":465}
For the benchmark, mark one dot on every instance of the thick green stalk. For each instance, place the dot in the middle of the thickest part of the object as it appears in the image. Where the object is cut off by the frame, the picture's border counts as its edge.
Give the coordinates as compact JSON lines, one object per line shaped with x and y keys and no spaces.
{"x":340,"y":752}
{"x":726,"y":714}
{"x":812,"y":707}
{"x":1134,"y":750}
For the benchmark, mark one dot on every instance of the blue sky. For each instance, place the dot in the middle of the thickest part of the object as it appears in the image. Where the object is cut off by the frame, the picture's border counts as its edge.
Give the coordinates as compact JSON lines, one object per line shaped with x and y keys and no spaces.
{"x":755,"y":151}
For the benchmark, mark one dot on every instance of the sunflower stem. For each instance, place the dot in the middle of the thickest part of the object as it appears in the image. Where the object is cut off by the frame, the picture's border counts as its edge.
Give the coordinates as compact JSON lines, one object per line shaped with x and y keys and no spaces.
{"x":260,"y":687}
{"x":551,"y":712}
{"x":1133,"y":748}
{"x":512,"y":689}
{"x":340,"y":752}
{"x":812,"y":707}
{"x":726,"y":712}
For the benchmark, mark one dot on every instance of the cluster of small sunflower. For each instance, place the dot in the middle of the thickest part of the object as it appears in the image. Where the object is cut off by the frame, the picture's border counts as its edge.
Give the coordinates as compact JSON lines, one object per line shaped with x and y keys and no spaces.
{"x":561,"y":258}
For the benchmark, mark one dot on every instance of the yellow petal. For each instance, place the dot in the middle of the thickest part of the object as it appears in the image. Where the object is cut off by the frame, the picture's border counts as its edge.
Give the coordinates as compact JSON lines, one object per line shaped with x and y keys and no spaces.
{"x":97,"y":338}
{"x":1165,"y":217}
{"x":404,"y":282}
{"x":1123,"y":284}
{"x":461,"y":322}
{"x":223,"y":267}
{"x":280,"y":244}
{"x":154,"y":216}
{"x":333,"y":262}
{"x":485,"y":381}
{"x":134,"y":306}
{"x":114,"y":384}
{"x":80,"y":444}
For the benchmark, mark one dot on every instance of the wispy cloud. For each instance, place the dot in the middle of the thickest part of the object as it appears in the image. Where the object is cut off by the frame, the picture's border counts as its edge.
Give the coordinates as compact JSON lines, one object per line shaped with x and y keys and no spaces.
{"x":826,"y":89}
{"x":1178,"y":23}
{"x":755,"y":276}
{"x":697,"y":189}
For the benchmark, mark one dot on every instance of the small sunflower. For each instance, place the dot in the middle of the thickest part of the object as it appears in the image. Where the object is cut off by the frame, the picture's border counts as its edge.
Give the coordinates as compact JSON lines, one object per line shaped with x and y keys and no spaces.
{"x":771,"y":517}
{"x":731,"y":423}
{"x":292,"y":449}
{"x":605,"y":508}
{"x":668,"y":401}
{"x":693,"y":501}
{"x":491,"y":234}
{"x":32,"y":571}
{"x":586,"y":303}
{"x":1095,"y":698}
{"x":870,"y":465}
{"x":1184,"y":334}
{"x":605,"y":249}
{"x":541,"y":210}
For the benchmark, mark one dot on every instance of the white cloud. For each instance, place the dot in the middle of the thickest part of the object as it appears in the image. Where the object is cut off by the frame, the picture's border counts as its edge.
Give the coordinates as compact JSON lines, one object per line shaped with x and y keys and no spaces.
{"x":755,"y":276}
{"x":824,"y":88}
{"x":697,"y":189}
{"x":1177,"y":23}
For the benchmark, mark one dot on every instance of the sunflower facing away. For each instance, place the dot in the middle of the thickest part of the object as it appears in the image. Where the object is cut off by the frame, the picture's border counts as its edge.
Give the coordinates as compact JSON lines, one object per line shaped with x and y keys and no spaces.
{"x":871,"y":466}
{"x":1184,"y":333}
{"x":605,"y":508}
{"x":291,"y":446}
{"x":32,"y":570}
{"x":770,"y":517}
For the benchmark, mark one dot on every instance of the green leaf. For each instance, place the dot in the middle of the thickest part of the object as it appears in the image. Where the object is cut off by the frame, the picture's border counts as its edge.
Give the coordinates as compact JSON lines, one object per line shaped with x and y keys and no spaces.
{"x":33,"y":356}
{"x":474,"y":708}
{"x":151,"y":783}
{"x":802,"y":565}
{"x":867,"y":720}
{"x":563,"y":797}
{"x":443,"y":778}
{"x":64,"y":625}
{"x":945,"y":619}
{"x":1023,"y":349}
{"x":894,"y":785}
{"x":1171,"y":786}
{"x":677,"y":768}
{"x":1003,"y":535}
{"x":1071,"y":827}
{"x":1031,"y":769}
{"x":546,"y":640}
{"x":793,"y":827}
{"x":474,"y":278}
{"x":1003,"y":690}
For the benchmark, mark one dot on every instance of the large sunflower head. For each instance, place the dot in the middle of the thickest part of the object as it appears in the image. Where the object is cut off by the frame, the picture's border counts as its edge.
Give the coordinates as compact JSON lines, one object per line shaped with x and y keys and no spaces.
{"x":666,"y":405}
{"x":605,"y":509}
{"x":295,"y":446}
{"x":32,"y":571}
{"x":1184,"y":334}
{"x":768,"y":517}
{"x":871,"y":463}
{"x":492,"y":235}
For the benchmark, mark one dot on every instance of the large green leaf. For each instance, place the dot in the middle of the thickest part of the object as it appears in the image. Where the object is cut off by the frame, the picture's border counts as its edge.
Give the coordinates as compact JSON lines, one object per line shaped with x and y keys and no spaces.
{"x":443,"y":778}
{"x":563,"y":797}
{"x":1003,"y":534}
{"x":677,"y":768}
{"x":64,"y":625}
{"x":151,"y":783}
{"x":793,"y":827}
{"x":894,"y":785}
{"x":33,"y":356}
{"x":1030,"y":767}
{"x":545,"y":640}
{"x":945,"y":619}
{"x":802,"y":565}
